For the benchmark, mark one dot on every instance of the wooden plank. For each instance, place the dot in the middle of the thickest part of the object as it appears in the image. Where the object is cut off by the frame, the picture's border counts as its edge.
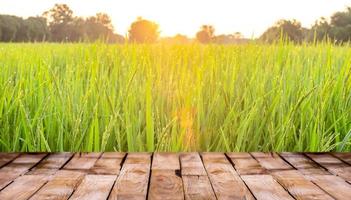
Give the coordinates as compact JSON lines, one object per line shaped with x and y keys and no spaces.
{"x":304,"y":164}
{"x":332,"y":164}
{"x":196,"y":183}
{"x":5,"y":158}
{"x":17,"y":167}
{"x":82,"y":161}
{"x":94,"y":187}
{"x":298,"y":186}
{"x":346,"y":157}
{"x":192,"y":165}
{"x":166,"y":182}
{"x":271,"y":161}
{"x":51,"y":164}
{"x":61,"y":186}
{"x":108,"y":164}
{"x":333,"y":185}
{"x":224,"y":179}
{"x":264,"y":187}
{"x":165,"y":161}
{"x":197,"y":187}
{"x":133,"y":179}
{"x":23,"y":187}
{"x":245,"y":164}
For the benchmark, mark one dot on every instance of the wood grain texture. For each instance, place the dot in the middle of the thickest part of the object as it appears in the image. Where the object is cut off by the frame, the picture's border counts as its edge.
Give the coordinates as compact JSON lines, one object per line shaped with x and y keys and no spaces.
{"x":60,"y":187}
{"x":195,"y":181}
{"x":225,"y":181}
{"x":133,"y":179}
{"x":305,"y":165}
{"x":271,"y":161}
{"x":51,"y":164}
{"x":192,"y":164}
{"x":346,"y":157}
{"x":165,"y":182}
{"x":190,"y":176}
{"x":298,"y":186}
{"x":165,"y":161}
{"x":5,"y":158}
{"x":245,"y":164}
{"x":334,"y":185}
{"x":108,"y":164}
{"x":197,"y":188}
{"x":332,"y":164}
{"x":17,"y":167}
{"x":23,"y":187}
{"x":95,"y":187}
{"x":264,"y":187}
{"x":82,"y":161}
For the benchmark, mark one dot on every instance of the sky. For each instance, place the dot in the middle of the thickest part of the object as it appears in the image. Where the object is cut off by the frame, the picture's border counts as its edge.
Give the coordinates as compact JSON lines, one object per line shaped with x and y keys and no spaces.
{"x":250,"y":17}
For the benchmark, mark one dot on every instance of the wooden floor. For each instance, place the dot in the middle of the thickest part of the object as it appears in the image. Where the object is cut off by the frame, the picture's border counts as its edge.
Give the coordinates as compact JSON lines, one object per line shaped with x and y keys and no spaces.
{"x":175,"y":176}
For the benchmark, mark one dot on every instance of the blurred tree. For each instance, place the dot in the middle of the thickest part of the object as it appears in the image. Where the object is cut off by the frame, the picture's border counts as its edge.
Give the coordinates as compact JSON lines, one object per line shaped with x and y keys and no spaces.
{"x":319,"y":31}
{"x":288,"y":29}
{"x":177,"y":39}
{"x":235,"y":38}
{"x":104,"y":19}
{"x":59,"y":14}
{"x":340,"y":24}
{"x":9,"y":26}
{"x":180,"y":39}
{"x":143,"y":31}
{"x":60,"y":19}
{"x":32,"y":29}
{"x":206,"y":34}
{"x":99,"y":27}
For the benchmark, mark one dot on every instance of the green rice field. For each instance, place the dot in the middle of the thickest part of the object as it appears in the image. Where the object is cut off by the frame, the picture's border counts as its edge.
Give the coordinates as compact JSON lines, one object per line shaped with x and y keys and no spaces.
{"x":159,"y":97}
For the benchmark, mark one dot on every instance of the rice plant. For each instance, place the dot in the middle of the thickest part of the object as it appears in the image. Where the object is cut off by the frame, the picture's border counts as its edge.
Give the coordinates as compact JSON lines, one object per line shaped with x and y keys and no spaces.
{"x":159,"y":97}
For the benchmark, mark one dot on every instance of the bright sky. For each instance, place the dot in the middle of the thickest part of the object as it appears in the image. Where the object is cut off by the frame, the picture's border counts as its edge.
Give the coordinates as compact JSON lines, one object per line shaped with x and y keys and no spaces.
{"x":250,"y":17}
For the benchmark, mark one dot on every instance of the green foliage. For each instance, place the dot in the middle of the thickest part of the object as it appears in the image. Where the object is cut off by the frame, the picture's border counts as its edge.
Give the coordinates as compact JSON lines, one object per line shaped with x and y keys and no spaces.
{"x":63,"y":26}
{"x":251,"y":97}
{"x":341,"y":26}
{"x":143,"y":31}
{"x":288,"y":29}
{"x":9,"y":26}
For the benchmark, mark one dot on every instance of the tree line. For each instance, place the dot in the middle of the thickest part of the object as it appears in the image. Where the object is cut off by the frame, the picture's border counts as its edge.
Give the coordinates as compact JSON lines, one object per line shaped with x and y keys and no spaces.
{"x":337,"y":30}
{"x":59,"y":24}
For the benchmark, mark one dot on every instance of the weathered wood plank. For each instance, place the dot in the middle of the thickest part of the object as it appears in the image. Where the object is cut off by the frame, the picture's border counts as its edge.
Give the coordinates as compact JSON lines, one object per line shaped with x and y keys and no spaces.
{"x":82,"y":161}
{"x":346,"y":157}
{"x":165,"y":161}
{"x":51,"y":164}
{"x":5,"y":158}
{"x":165,"y":182}
{"x":264,"y":187}
{"x":298,"y":186}
{"x":108,"y":164}
{"x":23,"y":187}
{"x":224,"y":179}
{"x":192,"y":164}
{"x":271,"y":161}
{"x":196,"y":183}
{"x":61,"y":186}
{"x":197,"y":188}
{"x":94,"y":187}
{"x":304,"y":164}
{"x":245,"y":164}
{"x":133,"y":179}
{"x":333,"y":185}
{"x":332,"y":164}
{"x":17,"y":167}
